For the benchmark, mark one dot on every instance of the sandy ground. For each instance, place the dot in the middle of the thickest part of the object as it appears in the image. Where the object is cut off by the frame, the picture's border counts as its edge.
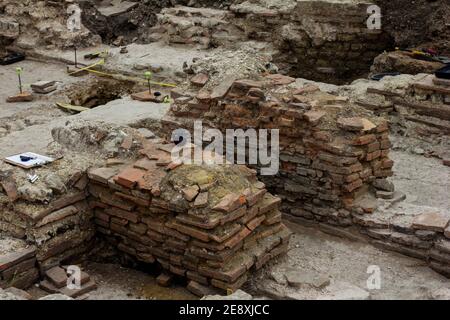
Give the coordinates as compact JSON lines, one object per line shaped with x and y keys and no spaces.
{"x":425,"y":181}
{"x":29,"y":124}
{"x":33,"y":71}
{"x":117,"y":283}
{"x":166,"y":62}
{"x":348,"y":262}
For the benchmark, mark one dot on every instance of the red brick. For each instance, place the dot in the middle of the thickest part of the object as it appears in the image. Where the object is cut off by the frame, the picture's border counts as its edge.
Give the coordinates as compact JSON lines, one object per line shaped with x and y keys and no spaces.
{"x":192,"y":275}
{"x":230,"y":286}
{"x":314,"y":117}
{"x":373,"y":155}
{"x":279,"y":79}
{"x":164,"y":280}
{"x":129,"y":177}
{"x":364,"y":140}
{"x":256,"y":222}
{"x":151,"y":180}
{"x":387,"y":164}
{"x":237,"y":110}
{"x":357,"y":167}
{"x":178,"y":271}
{"x":114,"y":201}
{"x":57,"y":276}
{"x":237,"y":238}
{"x":200,"y":290}
{"x":138,"y":201}
{"x":119,"y":213}
{"x":354,"y":185}
{"x":375,"y":146}
{"x":127,"y":249}
{"x":58,"y":215}
{"x":193,"y":232}
{"x":382,"y":127}
{"x":201,"y":200}
{"x":140,"y":228}
{"x":58,"y":204}
{"x":255,"y":197}
{"x":145,"y":164}
{"x":14,"y":258}
{"x":385,"y":144}
{"x":119,"y":221}
{"x":269,"y":203}
{"x":310,"y":88}
{"x":273,"y":217}
{"x":9,"y":186}
{"x":146,"y":257}
{"x":229,"y":203}
{"x":232,"y":216}
{"x":200,"y":79}
{"x":101,"y":175}
{"x":127,"y":143}
{"x":352,"y":177}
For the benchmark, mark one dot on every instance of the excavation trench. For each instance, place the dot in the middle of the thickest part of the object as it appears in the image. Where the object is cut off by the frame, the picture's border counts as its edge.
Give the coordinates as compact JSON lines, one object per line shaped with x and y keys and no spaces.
{"x":99,"y":92}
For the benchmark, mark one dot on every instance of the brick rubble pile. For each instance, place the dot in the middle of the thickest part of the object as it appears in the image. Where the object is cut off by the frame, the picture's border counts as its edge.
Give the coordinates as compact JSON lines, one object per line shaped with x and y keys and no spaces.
{"x":330,"y":152}
{"x":212,"y":225}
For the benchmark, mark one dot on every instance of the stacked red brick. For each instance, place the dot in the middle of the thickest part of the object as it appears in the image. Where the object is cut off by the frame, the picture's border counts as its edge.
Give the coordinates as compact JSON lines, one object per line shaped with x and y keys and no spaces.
{"x":17,"y":264}
{"x":193,"y":230}
{"x":330,"y":152}
{"x":60,"y":229}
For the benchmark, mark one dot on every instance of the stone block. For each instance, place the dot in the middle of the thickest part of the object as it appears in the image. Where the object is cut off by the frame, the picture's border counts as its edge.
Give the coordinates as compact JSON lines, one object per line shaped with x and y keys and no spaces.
{"x":432,"y":221}
{"x":22,"y":97}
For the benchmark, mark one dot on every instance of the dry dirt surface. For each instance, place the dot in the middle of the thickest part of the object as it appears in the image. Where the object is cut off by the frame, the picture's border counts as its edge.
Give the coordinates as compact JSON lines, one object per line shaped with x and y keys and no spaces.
{"x":133,"y":25}
{"x":117,"y":283}
{"x":346,"y":264}
{"x":414,"y":23}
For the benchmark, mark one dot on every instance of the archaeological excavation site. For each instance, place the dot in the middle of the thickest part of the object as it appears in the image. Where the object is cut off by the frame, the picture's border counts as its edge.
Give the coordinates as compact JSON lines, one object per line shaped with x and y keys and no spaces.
{"x":224,"y":150}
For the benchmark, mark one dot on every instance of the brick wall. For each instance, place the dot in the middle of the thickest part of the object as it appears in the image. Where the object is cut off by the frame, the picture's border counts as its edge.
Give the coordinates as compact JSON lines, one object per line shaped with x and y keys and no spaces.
{"x":330,"y":151}
{"x":319,"y":40}
{"x":210,"y":225}
{"x":193,"y":227}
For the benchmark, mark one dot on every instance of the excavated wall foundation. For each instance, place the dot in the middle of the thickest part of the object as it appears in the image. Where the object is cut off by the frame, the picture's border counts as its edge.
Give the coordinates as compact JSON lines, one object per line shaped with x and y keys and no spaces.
{"x":213,"y":225}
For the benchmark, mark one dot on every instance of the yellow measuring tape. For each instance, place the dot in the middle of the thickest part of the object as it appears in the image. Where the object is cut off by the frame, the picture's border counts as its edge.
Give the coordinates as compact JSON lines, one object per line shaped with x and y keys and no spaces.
{"x":102,"y":61}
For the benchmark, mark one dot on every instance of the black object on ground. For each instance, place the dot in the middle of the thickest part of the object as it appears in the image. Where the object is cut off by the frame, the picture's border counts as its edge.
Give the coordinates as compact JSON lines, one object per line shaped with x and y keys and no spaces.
{"x":26,"y":159}
{"x":379,"y":76}
{"x":91,"y":56}
{"x":11,"y":58}
{"x":443,"y":73}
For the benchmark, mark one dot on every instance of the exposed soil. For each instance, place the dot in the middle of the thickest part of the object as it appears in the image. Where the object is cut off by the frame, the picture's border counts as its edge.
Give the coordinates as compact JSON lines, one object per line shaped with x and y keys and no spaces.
{"x":133,"y":25}
{"x":345,"y":261}
{"x":419,"y":22}
{"x":119,"y":283}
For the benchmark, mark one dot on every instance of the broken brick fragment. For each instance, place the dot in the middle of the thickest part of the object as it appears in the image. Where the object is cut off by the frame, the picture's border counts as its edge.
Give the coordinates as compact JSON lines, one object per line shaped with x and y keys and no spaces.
{"x":432,"y":221}
{"x":129,"y":177}
{"x":10,"y":188}
{"x":200,"y":79}
{"x":229,"y":203}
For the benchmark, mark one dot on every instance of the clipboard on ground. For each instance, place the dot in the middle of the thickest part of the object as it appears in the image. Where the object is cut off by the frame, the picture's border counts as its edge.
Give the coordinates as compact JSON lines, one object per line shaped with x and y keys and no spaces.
{"x":35,"y":160}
